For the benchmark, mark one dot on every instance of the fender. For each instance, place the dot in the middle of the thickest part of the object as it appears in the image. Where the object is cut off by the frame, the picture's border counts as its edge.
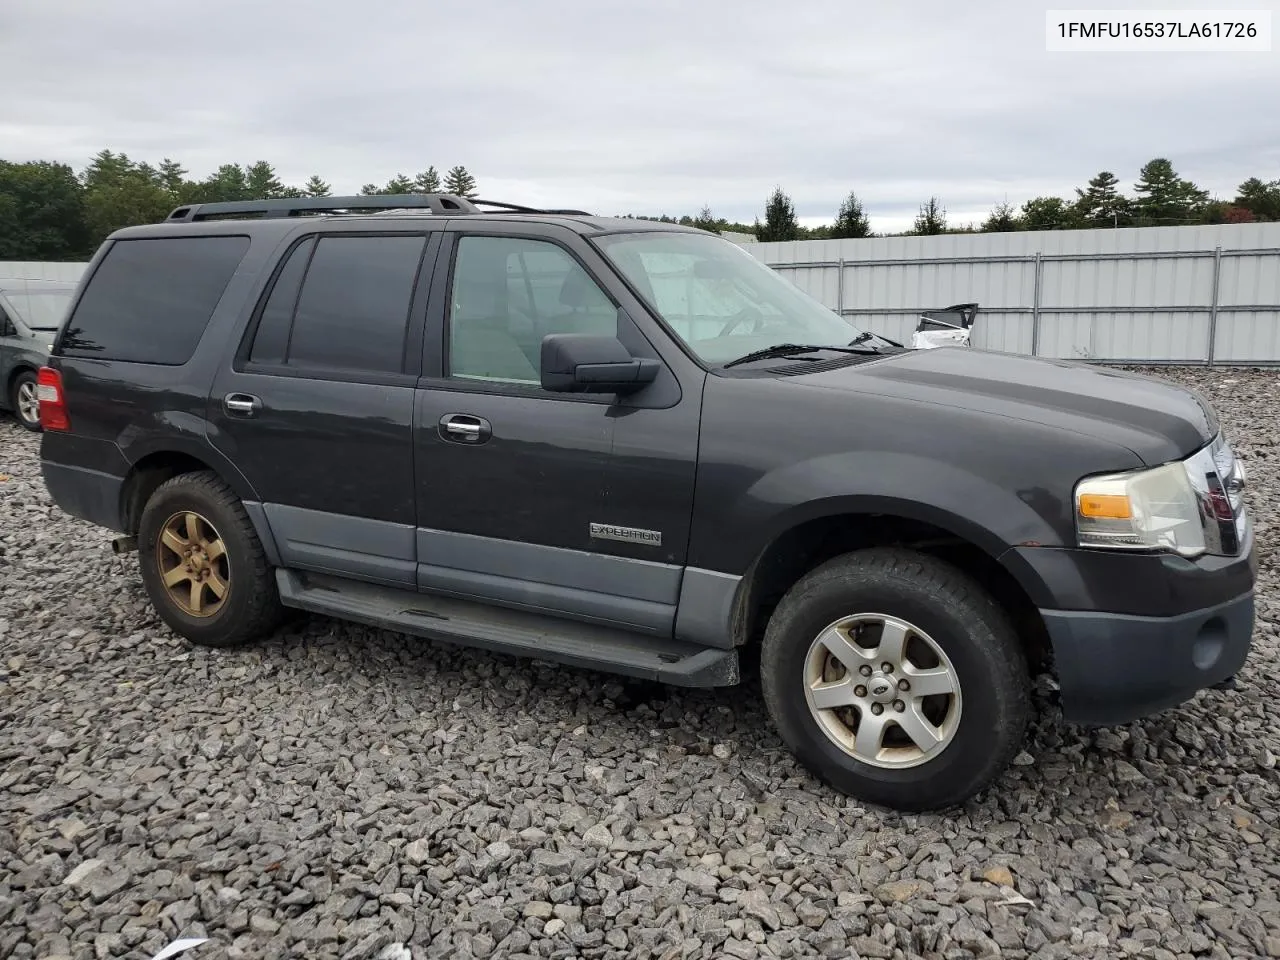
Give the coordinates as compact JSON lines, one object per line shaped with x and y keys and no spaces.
{"x":187,"y":438}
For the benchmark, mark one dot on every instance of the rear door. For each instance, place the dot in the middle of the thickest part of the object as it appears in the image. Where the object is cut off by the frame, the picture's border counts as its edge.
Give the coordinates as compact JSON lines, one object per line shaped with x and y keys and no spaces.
{"x":316,"y":407}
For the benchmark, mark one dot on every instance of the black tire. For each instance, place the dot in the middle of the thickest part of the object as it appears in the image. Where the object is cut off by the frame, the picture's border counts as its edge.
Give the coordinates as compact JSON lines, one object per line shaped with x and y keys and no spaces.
{"x":961,"y":618}
{"x":251,"y":609}
{"x":27,"y":379}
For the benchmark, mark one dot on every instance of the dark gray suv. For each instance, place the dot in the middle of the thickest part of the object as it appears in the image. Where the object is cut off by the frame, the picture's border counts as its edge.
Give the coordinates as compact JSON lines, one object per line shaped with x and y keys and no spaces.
{"x":631,"y":446}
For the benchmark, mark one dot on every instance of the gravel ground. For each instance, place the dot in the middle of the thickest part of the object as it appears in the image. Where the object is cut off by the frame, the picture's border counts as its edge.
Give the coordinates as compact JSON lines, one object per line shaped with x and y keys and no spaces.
{"x":345,"y":792}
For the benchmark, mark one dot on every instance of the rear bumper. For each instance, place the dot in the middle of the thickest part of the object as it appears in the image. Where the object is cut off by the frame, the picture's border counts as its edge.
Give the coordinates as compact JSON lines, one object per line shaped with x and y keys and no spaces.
{"x":1113,"y":668}
{"x":86,"y":494}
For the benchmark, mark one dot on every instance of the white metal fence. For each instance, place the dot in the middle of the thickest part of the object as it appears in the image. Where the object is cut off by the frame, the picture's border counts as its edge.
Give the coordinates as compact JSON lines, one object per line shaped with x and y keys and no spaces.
{"x":1198,"y":295}
{"x":23,"y":270}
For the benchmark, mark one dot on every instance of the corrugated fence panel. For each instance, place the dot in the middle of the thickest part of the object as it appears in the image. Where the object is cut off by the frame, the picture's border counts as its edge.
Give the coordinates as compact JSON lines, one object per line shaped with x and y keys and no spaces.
{"x":1246,"y":336}
{"x":1131,"y":294}
{"x":1250,"y":280}
{"x":1006,"y":332}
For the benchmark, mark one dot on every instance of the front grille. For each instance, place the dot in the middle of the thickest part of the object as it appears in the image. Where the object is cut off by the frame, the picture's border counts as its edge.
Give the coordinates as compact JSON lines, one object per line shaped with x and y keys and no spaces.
{"x":1219,"y":479}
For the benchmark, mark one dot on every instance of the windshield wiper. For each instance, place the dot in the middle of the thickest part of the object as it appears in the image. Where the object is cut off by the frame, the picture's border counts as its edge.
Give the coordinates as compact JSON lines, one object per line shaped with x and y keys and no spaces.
{"x":864,"y":337}
{"x":790,"y":349}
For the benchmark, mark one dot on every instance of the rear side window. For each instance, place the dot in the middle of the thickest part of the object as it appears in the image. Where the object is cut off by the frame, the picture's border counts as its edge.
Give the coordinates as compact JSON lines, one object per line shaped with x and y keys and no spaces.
{"x":352,"y":309}
{"x":150,"y":300}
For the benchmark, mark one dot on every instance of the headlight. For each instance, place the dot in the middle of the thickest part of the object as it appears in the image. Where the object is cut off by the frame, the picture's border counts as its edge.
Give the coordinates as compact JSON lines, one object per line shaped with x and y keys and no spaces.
{"x":1144,"y":510}
{"x":1188,"y":507}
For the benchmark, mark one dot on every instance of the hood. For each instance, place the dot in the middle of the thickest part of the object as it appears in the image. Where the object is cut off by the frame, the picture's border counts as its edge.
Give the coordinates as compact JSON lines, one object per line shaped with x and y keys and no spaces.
{"x":1158,"y":421}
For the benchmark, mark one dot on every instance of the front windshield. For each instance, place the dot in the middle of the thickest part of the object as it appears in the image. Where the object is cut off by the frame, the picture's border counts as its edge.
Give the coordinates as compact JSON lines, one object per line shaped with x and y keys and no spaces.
{"x":41,"y":307}
{"x":720,"y":300}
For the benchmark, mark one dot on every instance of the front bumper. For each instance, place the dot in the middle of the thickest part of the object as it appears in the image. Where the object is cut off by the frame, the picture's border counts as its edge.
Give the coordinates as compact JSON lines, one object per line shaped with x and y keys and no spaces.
{"x":1113,"y":668}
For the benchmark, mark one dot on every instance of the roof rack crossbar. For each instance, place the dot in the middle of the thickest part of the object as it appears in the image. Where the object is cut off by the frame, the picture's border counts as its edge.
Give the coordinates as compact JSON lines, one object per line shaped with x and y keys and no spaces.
{"x":444,"y":204}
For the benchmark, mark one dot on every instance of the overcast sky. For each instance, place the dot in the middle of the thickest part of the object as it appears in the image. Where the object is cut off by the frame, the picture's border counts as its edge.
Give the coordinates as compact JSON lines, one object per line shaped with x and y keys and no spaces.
{"x":640,"y":106}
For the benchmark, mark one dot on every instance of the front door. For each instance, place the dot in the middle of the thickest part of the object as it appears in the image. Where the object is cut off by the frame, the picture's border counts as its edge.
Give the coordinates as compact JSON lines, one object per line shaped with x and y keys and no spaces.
{"x":517,"y":487}
{"x":317,"y":408}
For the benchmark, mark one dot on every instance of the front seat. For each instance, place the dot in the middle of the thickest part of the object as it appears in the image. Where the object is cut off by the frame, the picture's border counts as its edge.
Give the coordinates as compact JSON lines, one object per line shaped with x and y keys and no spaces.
{"x":479,"y":343}
{"x":589,"y":310}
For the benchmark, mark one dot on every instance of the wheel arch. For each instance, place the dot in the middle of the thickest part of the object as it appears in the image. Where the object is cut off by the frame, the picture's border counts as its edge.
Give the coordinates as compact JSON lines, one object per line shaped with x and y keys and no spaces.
{"x":816,"y":535}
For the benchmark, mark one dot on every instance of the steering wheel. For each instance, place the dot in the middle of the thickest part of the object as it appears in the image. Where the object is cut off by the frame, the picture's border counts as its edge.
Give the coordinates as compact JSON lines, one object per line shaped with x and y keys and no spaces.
{"x":745,"y":315}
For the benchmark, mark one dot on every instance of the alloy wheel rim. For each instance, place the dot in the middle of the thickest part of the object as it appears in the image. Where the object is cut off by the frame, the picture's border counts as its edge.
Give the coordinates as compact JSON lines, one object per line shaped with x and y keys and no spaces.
{"x":193,"y":564}
{"x":882,"y":690}
{"x":28,"y":402}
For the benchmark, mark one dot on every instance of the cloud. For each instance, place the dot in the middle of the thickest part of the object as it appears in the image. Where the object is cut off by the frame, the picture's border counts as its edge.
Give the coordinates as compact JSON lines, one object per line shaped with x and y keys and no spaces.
{"x":614,"y":106}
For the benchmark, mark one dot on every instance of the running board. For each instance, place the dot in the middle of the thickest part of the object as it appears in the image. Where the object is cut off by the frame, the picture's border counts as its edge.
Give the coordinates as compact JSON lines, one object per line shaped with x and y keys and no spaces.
{"x":518,"y":632}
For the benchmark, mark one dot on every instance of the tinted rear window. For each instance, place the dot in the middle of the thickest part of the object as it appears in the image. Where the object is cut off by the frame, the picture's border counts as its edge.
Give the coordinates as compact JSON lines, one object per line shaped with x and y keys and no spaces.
{"x":150,"y":300}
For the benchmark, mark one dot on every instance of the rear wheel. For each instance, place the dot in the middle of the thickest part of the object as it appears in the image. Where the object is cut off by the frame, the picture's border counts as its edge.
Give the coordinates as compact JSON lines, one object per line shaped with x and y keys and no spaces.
{"x":203,"y":565}
{"x":24,"y":400}
{"x":896,"y":679}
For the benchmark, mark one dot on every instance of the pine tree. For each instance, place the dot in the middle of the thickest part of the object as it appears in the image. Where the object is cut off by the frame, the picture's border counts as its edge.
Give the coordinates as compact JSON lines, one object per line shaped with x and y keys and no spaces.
{"x":780,"y":222}
{"x":261,"y":182}
{"x":428,"y":181}
{"x":172,"y":176}
{"x":370,"y":190}
{"x":460,"y":183}
{"x":1102,"y":205}
{"x":398,"y":184}
{"x":931,"y":220}
{"x":1003,"y":219}
{"x":1164,"y":198}
{"x":315,"y":187}
{"x":706,"y":220}
{"x":851,"y":220}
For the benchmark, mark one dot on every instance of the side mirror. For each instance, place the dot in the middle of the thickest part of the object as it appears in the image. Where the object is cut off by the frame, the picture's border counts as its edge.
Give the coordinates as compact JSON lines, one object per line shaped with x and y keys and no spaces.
{"x":579,"y":363}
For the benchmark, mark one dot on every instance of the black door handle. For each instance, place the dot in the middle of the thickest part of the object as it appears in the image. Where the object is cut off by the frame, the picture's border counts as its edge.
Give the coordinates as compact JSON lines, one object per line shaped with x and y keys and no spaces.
{"x":464,"y":428}
{"x":243,"y":405}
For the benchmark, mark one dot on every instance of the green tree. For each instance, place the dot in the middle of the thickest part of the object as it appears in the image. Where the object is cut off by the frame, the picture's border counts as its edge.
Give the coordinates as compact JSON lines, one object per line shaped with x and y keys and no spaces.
{"x":173,"y":177}
{"x":397,"y":185}
{"x":460,"y":183}
{"x":42,"y":212}
{"x":428,"y":181}
{"x":706,"y":220}
{"x":1047,"y":213}
{"x":780,"y":222}
{"x":1164,"y":198}
{"x":227,"y":183}
{"x":851,"y":220}
{"x":261,"y":182}
{"x":1102,"y":204}
{"x":931,"y":220}
{"x":121,"y":193}
{"x":370,"y":190}
{"x":315,"y":187}
{"x":1259,"y":198}
{"x":127,"y":203}
{"x":1002,"y":219}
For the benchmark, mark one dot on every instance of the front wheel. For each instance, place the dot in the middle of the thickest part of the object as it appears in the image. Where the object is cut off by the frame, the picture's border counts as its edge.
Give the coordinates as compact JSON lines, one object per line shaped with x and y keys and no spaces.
{"x":896,"y":679}
{"x":24,"y":400}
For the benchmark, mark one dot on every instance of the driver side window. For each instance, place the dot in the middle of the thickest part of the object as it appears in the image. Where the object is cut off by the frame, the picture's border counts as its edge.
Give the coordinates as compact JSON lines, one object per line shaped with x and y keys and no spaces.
{"x":7,"y":329}
{"x":510,"y":292}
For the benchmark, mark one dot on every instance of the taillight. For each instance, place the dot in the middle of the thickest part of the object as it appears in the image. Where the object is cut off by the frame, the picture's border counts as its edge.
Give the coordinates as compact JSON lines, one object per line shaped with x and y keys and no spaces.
{"x":53,"y":405}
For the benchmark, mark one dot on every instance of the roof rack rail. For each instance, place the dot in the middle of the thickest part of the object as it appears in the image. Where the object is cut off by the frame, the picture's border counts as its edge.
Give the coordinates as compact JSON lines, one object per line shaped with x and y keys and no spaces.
{"x":440,"y":204}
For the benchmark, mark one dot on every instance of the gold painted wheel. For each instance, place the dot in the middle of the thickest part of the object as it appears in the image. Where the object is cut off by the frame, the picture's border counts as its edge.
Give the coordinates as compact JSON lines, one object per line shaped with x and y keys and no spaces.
{"x":193,"y":564}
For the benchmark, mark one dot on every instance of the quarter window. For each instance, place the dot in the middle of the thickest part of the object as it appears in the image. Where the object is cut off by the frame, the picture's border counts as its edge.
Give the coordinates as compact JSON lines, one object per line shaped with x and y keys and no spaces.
{"x":149,"y":301}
